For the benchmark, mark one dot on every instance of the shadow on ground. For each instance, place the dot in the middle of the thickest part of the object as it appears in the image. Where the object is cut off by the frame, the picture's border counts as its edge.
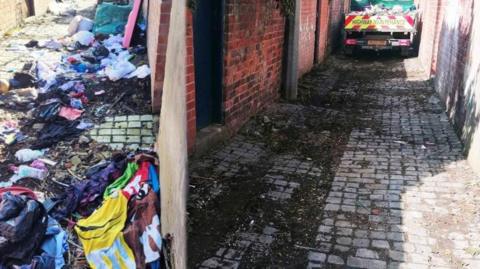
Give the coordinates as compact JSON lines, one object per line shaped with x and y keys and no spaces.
{"x":362,"y":172}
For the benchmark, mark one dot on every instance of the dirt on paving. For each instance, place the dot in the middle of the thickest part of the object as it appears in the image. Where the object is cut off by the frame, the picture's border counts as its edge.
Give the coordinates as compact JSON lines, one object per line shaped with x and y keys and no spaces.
{"x":332,"y":102}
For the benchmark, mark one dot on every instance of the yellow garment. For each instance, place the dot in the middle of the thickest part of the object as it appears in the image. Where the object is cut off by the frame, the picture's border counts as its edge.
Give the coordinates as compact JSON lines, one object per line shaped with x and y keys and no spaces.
{"x":102,"y":238}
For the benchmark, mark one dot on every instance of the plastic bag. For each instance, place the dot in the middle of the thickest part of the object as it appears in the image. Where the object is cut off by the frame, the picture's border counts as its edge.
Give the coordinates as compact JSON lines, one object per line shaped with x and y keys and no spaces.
{"x":119,"y":70}
{"x":47,"y":74}
{"x":27,"y":155}
{"x":79,"y":23}
{"x":141,"y":72}
{"x":111,"y":18}
{"x":25,"y":171}
{"x":85,"y":38}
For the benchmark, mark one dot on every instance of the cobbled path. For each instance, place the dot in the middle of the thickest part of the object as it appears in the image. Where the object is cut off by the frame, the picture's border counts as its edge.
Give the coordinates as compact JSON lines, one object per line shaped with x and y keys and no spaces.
{"x":401,"y":197}
{"x":401,"y":194}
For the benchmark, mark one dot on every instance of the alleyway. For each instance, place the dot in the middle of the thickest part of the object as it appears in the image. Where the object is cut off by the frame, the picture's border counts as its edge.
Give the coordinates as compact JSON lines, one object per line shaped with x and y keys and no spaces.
{"x":364,"y":171}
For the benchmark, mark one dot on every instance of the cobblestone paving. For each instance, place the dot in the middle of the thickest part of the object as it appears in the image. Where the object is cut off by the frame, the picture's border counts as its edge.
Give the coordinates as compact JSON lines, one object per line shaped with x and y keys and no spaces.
{"x":231,"y":257}
{"x":131,"y":132}
{"x":397,"y":187}
{"x":271,"y":177}
{"x":286,"y":175}
{"x":366,"y":172}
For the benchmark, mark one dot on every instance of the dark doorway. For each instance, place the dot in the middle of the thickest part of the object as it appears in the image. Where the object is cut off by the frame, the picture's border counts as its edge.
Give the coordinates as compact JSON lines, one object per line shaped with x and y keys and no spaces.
{"x":208,"y":47}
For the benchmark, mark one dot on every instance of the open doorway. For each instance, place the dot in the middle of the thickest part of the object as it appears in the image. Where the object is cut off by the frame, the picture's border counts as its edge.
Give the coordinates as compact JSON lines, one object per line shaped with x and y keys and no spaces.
{"x":208,"y":47}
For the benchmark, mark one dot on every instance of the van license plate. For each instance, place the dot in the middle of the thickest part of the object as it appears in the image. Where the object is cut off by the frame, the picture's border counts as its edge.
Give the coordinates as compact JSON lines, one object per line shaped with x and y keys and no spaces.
{"x":377,"y":42}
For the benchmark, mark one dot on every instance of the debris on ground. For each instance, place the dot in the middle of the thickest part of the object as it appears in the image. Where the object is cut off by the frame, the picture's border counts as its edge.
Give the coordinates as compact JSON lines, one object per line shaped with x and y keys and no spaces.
{"x":57,"y":179}
{"x":363,"y":171}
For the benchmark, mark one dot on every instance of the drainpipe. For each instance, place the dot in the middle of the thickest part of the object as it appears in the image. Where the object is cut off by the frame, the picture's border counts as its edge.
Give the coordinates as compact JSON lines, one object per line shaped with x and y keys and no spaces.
{"x":316,"y":54}
{"x":290,"y":83}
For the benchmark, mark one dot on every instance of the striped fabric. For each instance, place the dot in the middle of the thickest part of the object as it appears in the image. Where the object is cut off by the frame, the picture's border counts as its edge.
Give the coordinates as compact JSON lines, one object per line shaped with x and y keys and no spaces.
{"x":102,"y":238}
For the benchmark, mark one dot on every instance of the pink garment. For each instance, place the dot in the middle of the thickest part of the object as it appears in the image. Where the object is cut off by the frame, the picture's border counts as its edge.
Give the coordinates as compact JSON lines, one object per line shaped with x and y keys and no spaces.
{"x":132,"y":19}
{"x":70,"y":113}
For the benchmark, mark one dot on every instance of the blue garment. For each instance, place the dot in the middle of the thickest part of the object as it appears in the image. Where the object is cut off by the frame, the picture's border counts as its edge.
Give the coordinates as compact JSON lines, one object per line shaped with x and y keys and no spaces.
{"x":43,"y":261}
{"x":55,"y":243}
{"x":155,"y":264}
{"x":153,"y":178}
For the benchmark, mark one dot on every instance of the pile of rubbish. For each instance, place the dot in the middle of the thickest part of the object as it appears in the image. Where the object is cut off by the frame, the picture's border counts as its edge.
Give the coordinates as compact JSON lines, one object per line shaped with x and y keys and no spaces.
{"x":381,"y":10}
{"x":58,"y":88}
{"x":103,"y":216}
{"x":114,"y":213}
{"x":91,"y":52}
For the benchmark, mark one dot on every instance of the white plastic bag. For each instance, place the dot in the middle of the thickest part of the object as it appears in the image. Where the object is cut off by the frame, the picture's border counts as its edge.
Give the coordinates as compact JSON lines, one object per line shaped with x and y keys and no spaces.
{"x":119,"y":70}
{"x":79,"y":23}
{"x":141,"y":72}
{"x":27,"y":155}
{"x":85,"y":38}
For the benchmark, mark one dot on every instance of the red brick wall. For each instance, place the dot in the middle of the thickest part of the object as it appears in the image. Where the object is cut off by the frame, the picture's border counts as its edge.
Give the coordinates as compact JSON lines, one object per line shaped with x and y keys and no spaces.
{"x":430,"y":20}
{"x":190,"y":84}
{"x":453,"y":55}
{"x":159,"y":23}
{"x":346,"y":6}
{"x":323,"y":26}
{"x":253,"y":52}
{"x":306,"y":40}
{"x":457,"y":70}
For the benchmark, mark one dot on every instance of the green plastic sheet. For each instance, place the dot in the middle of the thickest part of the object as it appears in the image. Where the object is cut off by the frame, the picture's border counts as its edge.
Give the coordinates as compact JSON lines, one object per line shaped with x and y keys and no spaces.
{"x":111,"y":18}
{"x":359,"y":5}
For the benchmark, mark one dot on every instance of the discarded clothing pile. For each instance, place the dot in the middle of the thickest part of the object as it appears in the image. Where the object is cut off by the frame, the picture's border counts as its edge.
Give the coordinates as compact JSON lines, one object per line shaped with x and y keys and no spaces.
{"x":124,"y":232}
{"x":28,"y":236}
{"x":118,"y":218}
{"x":9,"y":132}
{"x":124,"y":229}
{"x":87,"y":194}
{"x":59,"y":82}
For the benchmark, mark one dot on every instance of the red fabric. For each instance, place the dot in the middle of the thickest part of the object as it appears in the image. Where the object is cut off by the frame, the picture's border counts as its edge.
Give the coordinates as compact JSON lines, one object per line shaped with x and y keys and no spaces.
{"x":18,"y":191}
{"x":136,"y":182}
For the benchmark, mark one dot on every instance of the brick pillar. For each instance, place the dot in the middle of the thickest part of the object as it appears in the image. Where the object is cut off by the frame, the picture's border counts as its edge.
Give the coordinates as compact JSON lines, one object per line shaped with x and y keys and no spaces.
{"x":190,"y":84}
{"x":306,"y":41}
{"x":431,"y":21}
{"x":322,"y":30}
{"x":159,"y":23}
